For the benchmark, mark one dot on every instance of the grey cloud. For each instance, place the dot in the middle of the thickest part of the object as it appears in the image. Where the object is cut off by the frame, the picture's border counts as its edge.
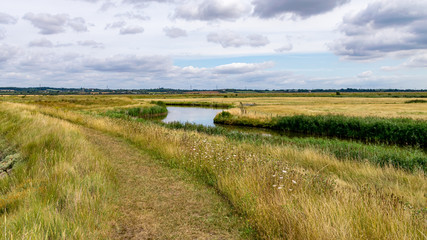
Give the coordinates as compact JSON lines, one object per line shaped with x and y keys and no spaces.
{"x":41,"y":43}
{"x":210,"y":10}
{"x":90,"y":43}
{"x":303,"y":9}
{"x":257,"y":40}
{"x":53,"y":24}
{"x":7,"y":19}
{"x":77,"y":24}
{"x":232,"y":39}
{"x":107,"y":5}
{"x":383,"y":28}
{"x":131,"y":30}
{"x":174,"y":32}
{"x":2,"y":34}
{"x":91,"y":1}
{"x":113,"y":25}
{"x":285,"y":48}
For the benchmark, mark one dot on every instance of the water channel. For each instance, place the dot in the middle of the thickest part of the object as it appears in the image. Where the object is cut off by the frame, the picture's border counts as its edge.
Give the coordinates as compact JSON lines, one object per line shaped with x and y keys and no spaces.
{"x":197,"y":115}
{"x":205,"y":116}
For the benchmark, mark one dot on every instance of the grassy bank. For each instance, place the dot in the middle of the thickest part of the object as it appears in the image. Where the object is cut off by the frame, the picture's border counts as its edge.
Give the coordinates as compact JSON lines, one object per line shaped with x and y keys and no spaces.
{"x":138,"y":112}
{"x":200,"y":104}
{"x":61,"y":189}
{"x":408,"y":159}
{"x":284,"y":191}
{"x":369,"y":129}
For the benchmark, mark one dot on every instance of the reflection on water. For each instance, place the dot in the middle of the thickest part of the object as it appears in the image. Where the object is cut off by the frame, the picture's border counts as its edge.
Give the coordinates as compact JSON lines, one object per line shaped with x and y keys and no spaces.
{"x":195,"y":115}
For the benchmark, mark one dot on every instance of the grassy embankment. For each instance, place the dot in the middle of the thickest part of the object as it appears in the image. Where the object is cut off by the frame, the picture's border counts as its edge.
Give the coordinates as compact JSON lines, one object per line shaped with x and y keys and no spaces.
{"x":139,"y":112}
{"x":197,"y":104}
{"x":285,"y":191}
{"x":407,"y":158}
{"x":61,"y":188}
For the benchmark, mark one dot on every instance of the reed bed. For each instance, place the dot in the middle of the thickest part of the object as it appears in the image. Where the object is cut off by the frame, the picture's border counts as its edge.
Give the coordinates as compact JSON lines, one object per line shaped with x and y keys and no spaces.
{"x":401,"y":131}
{"x":137,"y":112}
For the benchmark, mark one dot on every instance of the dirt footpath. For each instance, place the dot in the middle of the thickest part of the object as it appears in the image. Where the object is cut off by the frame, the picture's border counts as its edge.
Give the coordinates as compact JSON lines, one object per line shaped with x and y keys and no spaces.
{"x":157,"y":202}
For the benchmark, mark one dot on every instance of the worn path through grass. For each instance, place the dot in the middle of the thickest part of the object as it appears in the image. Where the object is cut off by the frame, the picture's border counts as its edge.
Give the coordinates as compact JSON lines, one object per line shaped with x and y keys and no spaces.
{"x":157,"y":202}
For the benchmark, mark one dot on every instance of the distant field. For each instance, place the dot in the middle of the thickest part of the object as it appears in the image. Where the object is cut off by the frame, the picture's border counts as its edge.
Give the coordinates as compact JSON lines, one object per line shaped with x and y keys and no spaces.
{"x":379,"y":107}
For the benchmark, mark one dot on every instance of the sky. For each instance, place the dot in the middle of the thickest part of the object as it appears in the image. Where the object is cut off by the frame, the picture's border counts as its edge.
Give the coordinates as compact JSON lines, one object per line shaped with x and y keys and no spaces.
{"x":214,"y":44}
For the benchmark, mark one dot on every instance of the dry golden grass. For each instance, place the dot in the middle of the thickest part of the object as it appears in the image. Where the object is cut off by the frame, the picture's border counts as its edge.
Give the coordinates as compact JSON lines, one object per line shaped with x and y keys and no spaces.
{"x":66,"y":189}
{"x":287,"y":192}
{"x":62,"y":190}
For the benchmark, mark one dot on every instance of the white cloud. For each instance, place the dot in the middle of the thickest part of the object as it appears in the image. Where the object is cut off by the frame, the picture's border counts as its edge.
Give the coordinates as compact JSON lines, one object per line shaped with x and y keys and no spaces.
{"x":2,"y":34}
{"x":392,"y":31}
{"x":7,"y":52}
{"x":241,"y":68}
{"x":384,"y":28}
{"x":365,"y":74}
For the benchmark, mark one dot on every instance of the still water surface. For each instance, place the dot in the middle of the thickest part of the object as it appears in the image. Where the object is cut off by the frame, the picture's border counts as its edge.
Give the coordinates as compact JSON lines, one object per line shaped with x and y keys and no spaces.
{"x":195,"y":115}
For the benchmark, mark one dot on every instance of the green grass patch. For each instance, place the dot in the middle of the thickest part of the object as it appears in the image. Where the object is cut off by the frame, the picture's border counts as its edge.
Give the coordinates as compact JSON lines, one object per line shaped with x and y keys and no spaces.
{"x":406,"y":158}
{"x":138,"y":112}
{"x":201,"y":104}
{"x":400,"y":131}
{"x":416,"y":101}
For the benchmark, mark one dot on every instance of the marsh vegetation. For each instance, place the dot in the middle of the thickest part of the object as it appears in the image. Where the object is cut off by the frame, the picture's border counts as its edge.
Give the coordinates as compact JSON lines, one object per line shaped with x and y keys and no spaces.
{"x":294,"y":188}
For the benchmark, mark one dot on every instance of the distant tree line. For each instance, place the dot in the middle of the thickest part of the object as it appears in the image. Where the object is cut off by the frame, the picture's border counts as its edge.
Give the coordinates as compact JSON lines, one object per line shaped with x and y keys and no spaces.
{"x":87,"y":91}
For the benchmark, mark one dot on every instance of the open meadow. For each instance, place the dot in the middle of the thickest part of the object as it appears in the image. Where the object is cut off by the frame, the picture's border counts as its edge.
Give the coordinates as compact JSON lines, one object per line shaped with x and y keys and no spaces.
{"x":95,"y":167}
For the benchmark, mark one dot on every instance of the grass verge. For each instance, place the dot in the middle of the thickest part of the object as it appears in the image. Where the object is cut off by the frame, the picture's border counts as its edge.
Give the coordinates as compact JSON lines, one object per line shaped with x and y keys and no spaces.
{"x":408,"y":159}
{"x":62,"y":189}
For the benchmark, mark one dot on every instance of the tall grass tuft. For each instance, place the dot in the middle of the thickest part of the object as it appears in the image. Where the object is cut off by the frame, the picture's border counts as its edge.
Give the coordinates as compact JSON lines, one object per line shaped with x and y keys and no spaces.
{"x":62,"y":188}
